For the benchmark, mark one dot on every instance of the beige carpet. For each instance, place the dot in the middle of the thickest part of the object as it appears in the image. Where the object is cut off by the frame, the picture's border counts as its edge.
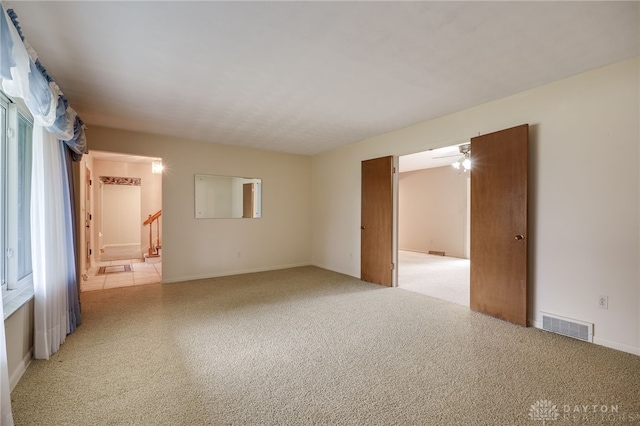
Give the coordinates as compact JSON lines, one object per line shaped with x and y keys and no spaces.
{"x":443,"y":277}
{"x":308,"y":346}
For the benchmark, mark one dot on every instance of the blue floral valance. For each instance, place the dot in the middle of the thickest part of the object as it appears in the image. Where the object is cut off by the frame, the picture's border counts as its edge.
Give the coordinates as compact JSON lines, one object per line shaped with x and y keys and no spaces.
{"x":23,"y":76}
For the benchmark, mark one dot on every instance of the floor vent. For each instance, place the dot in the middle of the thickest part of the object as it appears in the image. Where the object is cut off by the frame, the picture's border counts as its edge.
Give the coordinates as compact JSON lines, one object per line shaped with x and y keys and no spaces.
{"x":568,"y":327}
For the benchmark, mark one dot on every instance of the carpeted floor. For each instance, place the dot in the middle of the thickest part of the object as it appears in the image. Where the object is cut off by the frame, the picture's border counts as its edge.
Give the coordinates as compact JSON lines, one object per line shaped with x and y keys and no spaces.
{"x":309,"y":346}
{"x":443,"y":277}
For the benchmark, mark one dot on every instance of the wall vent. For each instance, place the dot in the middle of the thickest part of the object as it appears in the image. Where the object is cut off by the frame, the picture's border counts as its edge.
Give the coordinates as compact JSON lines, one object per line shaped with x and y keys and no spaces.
{"x":567,"y":327}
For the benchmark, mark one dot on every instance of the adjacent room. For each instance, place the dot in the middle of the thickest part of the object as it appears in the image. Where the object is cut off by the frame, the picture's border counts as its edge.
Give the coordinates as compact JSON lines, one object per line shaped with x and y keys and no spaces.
{"x":220,"y":159}
{"x":433,"y":223}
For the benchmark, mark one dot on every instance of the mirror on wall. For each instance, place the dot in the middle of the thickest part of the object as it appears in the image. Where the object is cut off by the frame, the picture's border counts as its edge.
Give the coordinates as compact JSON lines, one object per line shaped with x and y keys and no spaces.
{"x":228,"y":197}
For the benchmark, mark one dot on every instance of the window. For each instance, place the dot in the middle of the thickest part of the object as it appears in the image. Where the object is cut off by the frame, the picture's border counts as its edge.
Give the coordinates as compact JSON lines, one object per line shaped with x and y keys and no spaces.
{"x":16,"y":272}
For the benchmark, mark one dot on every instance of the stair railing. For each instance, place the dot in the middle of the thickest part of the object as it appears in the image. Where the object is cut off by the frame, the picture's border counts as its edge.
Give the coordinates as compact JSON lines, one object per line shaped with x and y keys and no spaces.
{"x":154,"y":251}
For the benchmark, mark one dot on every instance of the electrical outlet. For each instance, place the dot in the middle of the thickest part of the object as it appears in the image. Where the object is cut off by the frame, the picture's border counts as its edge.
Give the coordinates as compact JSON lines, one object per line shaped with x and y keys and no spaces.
{"x":603,"y":302}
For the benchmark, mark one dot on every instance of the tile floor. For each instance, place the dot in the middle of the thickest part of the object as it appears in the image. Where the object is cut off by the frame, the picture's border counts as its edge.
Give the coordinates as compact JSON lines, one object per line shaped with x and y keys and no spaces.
{"x":141,"y":273}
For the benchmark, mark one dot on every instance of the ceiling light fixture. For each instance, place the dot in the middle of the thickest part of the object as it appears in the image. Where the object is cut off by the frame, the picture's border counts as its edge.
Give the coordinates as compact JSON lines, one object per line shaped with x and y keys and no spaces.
{"x":156,"y":167}
{"x":464,"y":160}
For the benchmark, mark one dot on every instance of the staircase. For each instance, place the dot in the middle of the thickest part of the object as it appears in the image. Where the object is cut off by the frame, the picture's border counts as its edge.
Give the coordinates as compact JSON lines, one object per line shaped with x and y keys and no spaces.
{"x":155,"y":250}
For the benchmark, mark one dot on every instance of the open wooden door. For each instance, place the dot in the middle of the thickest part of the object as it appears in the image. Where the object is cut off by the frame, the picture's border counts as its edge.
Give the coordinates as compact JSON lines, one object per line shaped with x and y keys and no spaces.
{"x":376,"y":241}
{"x":499,"y":184}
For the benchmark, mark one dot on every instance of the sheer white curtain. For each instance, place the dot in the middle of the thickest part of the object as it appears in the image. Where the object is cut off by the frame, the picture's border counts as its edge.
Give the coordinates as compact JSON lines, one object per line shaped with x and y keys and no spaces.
{"x":6,"y":418}
{"x":49,"y":229}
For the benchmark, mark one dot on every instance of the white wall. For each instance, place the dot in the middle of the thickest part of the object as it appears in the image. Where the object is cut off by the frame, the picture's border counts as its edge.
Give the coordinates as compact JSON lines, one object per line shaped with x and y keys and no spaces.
{"x":198,"y":248}
{"x":120,"y":215}
{"x":584,"y":194}
{"x":19,"y":337}
{"x":432,"y":208}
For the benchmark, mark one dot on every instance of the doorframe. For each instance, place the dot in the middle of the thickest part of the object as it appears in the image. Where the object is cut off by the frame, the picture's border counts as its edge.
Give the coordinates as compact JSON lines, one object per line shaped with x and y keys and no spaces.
{"x":96,"y":194}
{"x":395,"y":191}
{"x":396,"y":200}
{"x":87,"y":209}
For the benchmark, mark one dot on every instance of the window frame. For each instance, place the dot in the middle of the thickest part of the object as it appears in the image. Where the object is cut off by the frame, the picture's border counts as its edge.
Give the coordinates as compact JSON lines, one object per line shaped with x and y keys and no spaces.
{"x":15,"y":291}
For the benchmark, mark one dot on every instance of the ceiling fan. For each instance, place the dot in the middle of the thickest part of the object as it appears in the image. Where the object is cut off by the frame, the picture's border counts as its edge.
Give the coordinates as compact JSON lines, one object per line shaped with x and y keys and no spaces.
{"x":463,"y":157}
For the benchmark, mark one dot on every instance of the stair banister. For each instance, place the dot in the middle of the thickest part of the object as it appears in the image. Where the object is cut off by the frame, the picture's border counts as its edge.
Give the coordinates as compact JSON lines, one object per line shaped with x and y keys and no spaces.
{"x":154,"y":218}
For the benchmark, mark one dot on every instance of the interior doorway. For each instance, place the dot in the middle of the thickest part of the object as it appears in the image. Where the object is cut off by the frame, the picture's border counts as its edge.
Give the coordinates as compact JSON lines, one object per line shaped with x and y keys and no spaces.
{"x":434,"y":224}
{"x":125,"y":244}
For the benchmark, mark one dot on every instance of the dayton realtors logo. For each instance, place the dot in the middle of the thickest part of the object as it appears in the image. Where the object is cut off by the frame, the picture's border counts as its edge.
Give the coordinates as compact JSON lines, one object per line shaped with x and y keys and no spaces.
{"x":544,"y":410}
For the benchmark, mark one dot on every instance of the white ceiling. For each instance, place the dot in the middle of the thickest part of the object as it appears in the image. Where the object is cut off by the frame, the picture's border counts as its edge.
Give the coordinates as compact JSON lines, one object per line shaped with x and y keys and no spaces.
{"x":438,"y":157}
{"x":305,"y":77}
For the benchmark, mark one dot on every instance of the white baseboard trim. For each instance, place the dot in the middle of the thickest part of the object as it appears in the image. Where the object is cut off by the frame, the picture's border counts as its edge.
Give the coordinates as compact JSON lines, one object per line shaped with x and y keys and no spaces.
{"x":615,"y":345}
{"x":22,"y":367}
{"x":412,"y":250}
{"x":332,"y":269}
{"x":234,"y":272}
{"x":602,"y":342}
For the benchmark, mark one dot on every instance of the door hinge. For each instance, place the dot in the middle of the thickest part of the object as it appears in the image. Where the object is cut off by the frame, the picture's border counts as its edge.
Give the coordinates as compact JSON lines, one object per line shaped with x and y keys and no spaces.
{"x":393,"y":266}
{"x":394,"y":169}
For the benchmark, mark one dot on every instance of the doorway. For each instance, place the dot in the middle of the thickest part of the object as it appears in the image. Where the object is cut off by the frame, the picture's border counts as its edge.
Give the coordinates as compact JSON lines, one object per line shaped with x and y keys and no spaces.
{"x":434,"y":225}
{"x":499,"y":224}
{"x":126,"y":191}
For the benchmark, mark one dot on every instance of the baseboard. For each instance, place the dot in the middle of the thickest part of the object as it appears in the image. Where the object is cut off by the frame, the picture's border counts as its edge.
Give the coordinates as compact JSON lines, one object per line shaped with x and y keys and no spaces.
{"x":427,"y":252}
{"x":234,"y":272}
{"x":354,"y":274}
{"x":22,"y":367}
{"x":615,"y":345}
{"x":603,"y":342}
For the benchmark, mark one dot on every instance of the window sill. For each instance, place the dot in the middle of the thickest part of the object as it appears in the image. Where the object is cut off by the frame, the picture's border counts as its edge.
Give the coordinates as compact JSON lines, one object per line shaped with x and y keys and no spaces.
{"x":16,"y":302}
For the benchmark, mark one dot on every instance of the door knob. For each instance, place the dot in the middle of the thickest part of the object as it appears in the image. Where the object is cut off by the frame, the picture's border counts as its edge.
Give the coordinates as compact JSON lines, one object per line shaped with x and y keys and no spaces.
{"x":519,"y":237}
{"x":361,"y":226}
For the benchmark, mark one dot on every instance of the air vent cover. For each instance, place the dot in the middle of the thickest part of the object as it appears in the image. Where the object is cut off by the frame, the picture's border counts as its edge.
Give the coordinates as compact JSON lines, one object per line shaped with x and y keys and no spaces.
{"x":567,"y":327}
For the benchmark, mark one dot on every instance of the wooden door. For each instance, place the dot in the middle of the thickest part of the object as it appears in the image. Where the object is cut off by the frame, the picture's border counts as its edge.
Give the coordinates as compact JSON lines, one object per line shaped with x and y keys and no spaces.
{"x":376,"y":238}
{"x":499,"y":181}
